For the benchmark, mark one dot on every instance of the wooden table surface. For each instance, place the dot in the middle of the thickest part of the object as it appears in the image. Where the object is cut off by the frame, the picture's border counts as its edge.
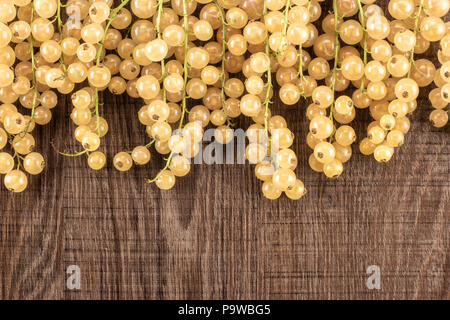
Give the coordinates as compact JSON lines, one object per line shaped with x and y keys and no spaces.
{"x":214,"y":236}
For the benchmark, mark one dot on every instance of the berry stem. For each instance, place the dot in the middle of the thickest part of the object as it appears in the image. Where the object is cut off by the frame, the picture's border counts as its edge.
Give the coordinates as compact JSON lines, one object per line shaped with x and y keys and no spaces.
{"x":335,"y":65}
{"x":183,"y":103}
{"x":33,"y":79}
{"x":99,"y":54}
{"x":148,"y":145}
{"x":97,"y":63}
{"x":158,"y":33}
{"x":97,"y":112}
{"x":163,"y":169}
{"x":416,"y":30}
{"x":363,"y":24}
{"x":336,"y":46}
{"x":269,"y":88}
{"x":77,"y":154}
{"x":108,"y":24}
{"x":60,"y":29}
{"x":73,"y":154}
{"x":286,"y":17}
{"x":185,"y":63}
{"x":300,"y":60}
{"x":224,"y":48}
{"x":19,"y":158}
{"x":163,"y":69}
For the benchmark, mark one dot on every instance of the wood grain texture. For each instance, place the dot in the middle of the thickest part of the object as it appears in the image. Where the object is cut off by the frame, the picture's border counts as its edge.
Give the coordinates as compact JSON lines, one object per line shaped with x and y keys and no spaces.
{"x":214,"y":236}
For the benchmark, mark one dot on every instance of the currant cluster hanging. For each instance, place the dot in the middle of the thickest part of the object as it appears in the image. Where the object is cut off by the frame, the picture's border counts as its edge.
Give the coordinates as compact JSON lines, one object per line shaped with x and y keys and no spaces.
{"x":231,"y":57}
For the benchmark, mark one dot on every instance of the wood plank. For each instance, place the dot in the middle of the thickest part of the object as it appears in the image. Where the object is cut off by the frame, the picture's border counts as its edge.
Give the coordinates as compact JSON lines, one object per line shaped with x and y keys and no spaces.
{"x":215,"y":237}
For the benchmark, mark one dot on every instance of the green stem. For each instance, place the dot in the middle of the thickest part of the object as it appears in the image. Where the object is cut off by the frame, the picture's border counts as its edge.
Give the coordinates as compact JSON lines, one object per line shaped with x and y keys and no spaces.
{"x":300,"y":62}
{"x":148,"y":145}
{"x":98,"y":57}
{"x":99,"y":54}
{"x":224,"y":48}
{"x":158,"y":32}
{"x":163,"y":169}
{"x":108,"y":24}
{"x":73,"y":154}
{"x":336,"y":47}
{"x":335,"y":65}
{"x":163,"y":70}
{"x":363,"y":24}
{"x":183,"y":103}
{"x":97,"y":112}
{"x":416,"y":30}
{"x":269,"y":88}
{"x":60,"y":29}
{"x":185,"y":63}
{"x":77,"y":154}
{"x":300,"y":55}
{"x":33,"y":80}
{"x":16,"y":155}
{"x":286,"y":17}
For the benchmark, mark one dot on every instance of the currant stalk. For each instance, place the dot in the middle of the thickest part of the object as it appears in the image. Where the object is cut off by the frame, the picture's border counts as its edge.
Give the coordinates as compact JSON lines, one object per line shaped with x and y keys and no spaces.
{"x":416,"y":31}
{"x":365,"y":51}
{"x":269,"y":86}
{"x":184,"y":99}
{"x":99,"y":53}
{"x":158,"y":33}
{"x":300,"y":60}
{"x":19,"y":159}
{"x":60,"y":29}
{"x":163,"y":69}
{"x":163,"y":65}
{"x":286,"y":17}
{"x":335,"y":64}
{"x":285,"y":25}
{"x":185,"y":63}
{"x":224,"y":48}
{"x":33,"y":79}
{"x":97,"y":63}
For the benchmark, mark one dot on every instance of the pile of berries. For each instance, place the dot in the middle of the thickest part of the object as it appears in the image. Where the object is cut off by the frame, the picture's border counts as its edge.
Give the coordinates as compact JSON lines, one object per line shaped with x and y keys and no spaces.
{"x":230,"y":57}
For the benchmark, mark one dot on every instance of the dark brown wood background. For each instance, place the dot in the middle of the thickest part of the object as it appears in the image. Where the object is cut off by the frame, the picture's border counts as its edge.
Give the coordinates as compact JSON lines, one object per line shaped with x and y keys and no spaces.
{"x":214,"y":236}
